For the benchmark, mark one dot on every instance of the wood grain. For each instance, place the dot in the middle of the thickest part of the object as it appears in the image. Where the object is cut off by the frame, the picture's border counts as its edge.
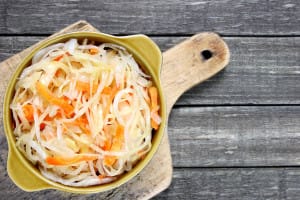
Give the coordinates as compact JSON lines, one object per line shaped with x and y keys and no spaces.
{"x":258,"y":17}
{"x":191,"y":62}
{"x":234,"y":183}
{"x":261,"y":70}
{"x":238,"y":136}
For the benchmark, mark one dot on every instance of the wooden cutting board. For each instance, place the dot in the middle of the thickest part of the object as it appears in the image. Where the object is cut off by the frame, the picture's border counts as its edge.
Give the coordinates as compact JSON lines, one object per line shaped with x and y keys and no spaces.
{"x":185,"y":65}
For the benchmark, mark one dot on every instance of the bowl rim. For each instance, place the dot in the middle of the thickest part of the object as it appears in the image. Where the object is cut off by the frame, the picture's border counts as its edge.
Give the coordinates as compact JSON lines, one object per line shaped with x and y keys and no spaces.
{"x":14,"y":153}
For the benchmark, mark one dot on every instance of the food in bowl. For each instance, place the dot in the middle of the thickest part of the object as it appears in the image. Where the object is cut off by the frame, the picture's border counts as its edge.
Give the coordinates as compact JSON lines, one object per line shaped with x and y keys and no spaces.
{"x":84,"y":113}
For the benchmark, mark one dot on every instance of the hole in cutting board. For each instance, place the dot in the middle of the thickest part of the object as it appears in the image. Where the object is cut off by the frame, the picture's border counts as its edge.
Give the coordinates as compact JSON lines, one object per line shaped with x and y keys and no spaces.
{"x":206,"y":54}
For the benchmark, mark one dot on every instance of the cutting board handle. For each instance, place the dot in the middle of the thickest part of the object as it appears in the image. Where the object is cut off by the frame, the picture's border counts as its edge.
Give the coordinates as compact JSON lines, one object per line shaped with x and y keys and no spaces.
{"x":192,"y":62}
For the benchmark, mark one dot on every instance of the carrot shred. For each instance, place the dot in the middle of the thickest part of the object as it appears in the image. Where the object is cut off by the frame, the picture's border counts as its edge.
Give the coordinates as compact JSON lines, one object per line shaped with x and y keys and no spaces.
{"x":101,"y":176}
{"x":59,"y":72}
{"x":82,"y":86}
{"x":93,"y":51}
{"x":112,"y":94}
{"x":153,"y":96}
{"x":76,"y":64}
{"x":82,"y":122}
{"x":107,"y":142}
{"x":42,"y":126}
{"x":44,"y":92}
{"x":28,"y":112}
{"x":117,"y":144}
{"x":110,"y":160}
{"x":59,"y":57}
{"x":107,"y":90}
{"x":154,"y":124}
{"x":154,"y":105}
{"x":57,"y":116}
{"x":85,"y":87}
{"x":68,"y":161}
{"x":48,"y":118}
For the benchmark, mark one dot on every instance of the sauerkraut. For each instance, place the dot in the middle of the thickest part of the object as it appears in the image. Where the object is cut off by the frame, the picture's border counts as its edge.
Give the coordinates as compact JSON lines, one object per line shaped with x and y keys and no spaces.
{"x":84,"y":113}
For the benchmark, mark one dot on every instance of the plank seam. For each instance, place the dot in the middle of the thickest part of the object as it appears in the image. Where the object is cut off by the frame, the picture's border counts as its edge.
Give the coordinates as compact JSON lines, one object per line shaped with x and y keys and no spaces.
{"x":239,"y":167}
{"x":159,"y":35}
{"x":177,"y":106}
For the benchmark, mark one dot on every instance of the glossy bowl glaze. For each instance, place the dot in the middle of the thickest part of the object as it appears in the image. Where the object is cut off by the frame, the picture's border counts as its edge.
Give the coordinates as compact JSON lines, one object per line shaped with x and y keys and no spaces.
{"x":24,"y":174}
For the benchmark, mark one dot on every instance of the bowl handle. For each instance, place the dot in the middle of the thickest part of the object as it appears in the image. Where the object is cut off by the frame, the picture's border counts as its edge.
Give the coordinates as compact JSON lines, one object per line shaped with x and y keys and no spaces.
{"x":23,"y":177}
{"x":146,"y":49}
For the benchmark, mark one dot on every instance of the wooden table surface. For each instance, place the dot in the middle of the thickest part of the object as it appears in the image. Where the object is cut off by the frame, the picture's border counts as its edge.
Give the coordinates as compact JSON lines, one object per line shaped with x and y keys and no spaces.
{"x":237,"y":135}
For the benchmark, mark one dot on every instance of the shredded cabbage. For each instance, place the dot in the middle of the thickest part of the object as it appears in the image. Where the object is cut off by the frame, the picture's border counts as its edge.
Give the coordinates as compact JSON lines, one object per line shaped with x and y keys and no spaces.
{"x":83,"y":113}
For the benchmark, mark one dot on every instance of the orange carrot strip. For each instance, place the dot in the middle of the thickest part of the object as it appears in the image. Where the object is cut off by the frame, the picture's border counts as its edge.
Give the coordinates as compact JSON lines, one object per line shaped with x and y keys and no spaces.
{"x":117,"y":144}
{"x":107,"y":145}
{"x":48,"y":118}
{"x":44,"y":92}
{"x":108,"y":133}
{"x":154,"y":105}
{"x":101,"y":176}
{"x":118,"y":139}
{"x":107,"y":90}
{"x":153,"y":97}
{"x":85,"y":87}
{"x":114,"y":90}
{"x":28,"y":112}
{"x":68,"y":161}
{"x":82,"y":122}
{"x":93,"y":51}
{"x":109,"y":160}
{"x":57,"y":58}
{"x":154,"y":124}
{"x":42,"y":126}
{"x":57,"y":115}
{"x":59,"y":72}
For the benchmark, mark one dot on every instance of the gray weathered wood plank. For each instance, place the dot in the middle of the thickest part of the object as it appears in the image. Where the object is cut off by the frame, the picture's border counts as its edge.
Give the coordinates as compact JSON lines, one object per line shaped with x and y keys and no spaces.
{"x":235,"y":136}
{"x":237,"y":183}
{"x":154,"y":17}
{"x":261,"y":70}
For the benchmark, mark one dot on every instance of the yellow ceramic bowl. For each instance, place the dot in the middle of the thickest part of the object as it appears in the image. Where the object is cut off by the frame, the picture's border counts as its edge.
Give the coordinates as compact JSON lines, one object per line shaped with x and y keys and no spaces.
{"x":27,"y":176}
